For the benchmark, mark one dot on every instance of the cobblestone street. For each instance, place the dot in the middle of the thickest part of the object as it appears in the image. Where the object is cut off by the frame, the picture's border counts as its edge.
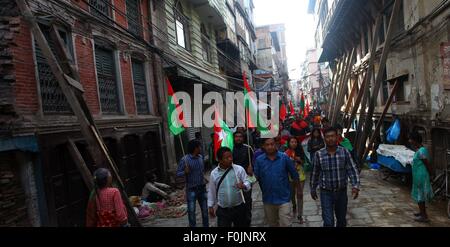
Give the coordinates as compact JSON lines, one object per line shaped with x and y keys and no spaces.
{"x":380,"y":204}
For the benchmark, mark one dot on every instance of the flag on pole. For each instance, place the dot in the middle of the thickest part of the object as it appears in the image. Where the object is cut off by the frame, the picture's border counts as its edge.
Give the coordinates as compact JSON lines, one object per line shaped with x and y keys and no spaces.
{"x":306,"y":114}
{"x":283,"y":111}
{"x":252,"y":104}
{"x":302,"y":104}
{"x":223,"y":136}
{"x":291,"y":108}
{"x":176,"y":120}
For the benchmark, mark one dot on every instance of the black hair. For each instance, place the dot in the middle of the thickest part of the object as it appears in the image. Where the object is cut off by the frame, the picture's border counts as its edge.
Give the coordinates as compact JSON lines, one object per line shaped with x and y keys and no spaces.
{"x":338,"y":127}
{"x":325,"y":120}
{"x":192,"y":145}
{"x":222,"y":151}
{"x":150,"y":177}
{"x":198,"y":135}
{"x":264,"y":140}
{"x":238,"y":133}
{"x":289,"y":141}
{"x":101,"y":177}
{"x":314,"y":130}
{"x":331,"y":129}
{"x":415,"y":136}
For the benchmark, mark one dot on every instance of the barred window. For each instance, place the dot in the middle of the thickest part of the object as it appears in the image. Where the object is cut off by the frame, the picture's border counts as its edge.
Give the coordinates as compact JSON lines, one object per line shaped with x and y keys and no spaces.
{"x":107,"y":81}
{"x":133,"y":16}
{"x":140,"y":88}
{"x":53,"y":99}
{"x":101,"y":8}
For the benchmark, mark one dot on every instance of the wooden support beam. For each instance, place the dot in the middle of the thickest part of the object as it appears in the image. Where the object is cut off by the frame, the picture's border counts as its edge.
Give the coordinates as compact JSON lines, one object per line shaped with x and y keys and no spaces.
{"x":350,"y":97}
{"x":81,"y":165}
{"x":332,"y":86}
{"x":379,"y":77}
{"x":344,"y":86}
{"x":337,"y":86}
{"x":380,"y":121}
{"x":77,"y":104}
{"x":366,"y":81}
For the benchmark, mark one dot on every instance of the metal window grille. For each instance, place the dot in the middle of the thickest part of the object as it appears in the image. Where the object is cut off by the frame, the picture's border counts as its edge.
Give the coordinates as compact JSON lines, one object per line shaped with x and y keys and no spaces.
{"x":100,"y":8}
{"x":53,"y":99}
{"x":140,"y":89}
{"x":133,"y":14}
{"x":107,"y":83}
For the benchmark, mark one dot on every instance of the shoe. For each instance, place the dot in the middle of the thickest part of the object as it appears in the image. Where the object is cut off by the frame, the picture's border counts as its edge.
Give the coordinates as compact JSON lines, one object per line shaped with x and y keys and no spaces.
{"x":417,"y":214}
{"x":422,"y":219}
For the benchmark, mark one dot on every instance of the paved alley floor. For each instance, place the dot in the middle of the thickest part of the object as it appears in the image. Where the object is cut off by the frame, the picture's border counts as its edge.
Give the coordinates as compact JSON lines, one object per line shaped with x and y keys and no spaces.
{"x":380,"y":204}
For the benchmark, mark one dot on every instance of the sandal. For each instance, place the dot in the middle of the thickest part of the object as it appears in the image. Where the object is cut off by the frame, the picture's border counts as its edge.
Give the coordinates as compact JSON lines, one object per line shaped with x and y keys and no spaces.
{"x":300,"y":218}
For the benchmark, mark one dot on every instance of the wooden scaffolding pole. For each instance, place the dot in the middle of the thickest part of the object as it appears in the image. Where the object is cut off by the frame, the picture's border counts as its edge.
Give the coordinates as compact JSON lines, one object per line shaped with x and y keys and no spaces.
{"x":333,"y":85}
{"x":379,"y":78}
{"x":380,"y":121}
{"x":96,"y":146}
{"x":337,"y":86}
{"x":367,"y":77}
{"x":344,"y":86}
{"x":350,"y":98}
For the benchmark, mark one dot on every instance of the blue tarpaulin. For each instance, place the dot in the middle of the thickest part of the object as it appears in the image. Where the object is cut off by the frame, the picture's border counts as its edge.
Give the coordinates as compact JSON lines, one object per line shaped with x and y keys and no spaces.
{"x":393,"y":164}
{"x":23,"y":143}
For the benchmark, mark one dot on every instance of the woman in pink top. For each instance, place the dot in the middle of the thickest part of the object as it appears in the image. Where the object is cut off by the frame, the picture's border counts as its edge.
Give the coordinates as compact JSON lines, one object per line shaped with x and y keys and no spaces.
{"x":105,"y":206}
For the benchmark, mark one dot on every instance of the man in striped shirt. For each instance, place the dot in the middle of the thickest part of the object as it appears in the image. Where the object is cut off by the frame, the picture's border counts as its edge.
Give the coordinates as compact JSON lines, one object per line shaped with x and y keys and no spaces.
{"x":191,"y":166}
{"x":225,"y":190}
{"x":333,"y":166}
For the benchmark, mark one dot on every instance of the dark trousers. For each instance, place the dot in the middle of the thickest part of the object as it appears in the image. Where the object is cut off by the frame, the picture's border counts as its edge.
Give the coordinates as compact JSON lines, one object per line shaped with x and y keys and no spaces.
{"x":228,"y":217}
{"x":197,"y":194}
{"x":334,"y":203}
{"x":248,"y":208}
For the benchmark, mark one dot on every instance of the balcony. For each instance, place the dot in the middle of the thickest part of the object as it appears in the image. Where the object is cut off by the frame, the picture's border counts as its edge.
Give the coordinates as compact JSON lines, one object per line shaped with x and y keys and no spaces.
{"x":229,"y":65}
{"x":211,"y":9}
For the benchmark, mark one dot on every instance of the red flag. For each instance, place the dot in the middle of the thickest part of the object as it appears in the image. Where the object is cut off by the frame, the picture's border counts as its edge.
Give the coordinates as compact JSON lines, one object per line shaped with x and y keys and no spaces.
{"x":306,"y":109}
{"x":291,"y":108}
{"x":283,"y":112}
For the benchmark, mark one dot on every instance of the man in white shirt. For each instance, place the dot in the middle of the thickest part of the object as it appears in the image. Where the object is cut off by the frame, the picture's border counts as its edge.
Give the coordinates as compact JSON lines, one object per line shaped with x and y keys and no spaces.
{"x":225,"y":190}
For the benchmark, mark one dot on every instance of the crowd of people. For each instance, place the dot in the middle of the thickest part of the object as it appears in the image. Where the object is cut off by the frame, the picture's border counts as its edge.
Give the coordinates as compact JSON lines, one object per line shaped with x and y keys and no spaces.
{"x":279,"y":165}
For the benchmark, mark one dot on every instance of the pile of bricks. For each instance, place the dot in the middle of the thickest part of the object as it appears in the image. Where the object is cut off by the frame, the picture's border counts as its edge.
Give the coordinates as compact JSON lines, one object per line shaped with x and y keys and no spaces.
{"x":13,"y":210}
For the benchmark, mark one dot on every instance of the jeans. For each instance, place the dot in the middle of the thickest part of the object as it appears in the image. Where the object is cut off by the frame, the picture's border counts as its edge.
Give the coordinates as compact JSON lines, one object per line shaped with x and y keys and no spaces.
{"x":334,"y":203}
{"x":248,"y":208}
{"x":197,"y":194}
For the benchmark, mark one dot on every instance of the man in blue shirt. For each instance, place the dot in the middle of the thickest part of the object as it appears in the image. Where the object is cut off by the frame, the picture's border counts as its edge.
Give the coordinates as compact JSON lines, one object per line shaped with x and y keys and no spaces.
{"x":272,"y":169}
{"x":191,"y":166}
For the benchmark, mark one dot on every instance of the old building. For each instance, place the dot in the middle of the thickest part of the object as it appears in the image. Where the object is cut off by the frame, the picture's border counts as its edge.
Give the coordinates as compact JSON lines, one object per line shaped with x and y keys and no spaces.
{"x":417,"y":59}
{"x":123,"y":51}
{"x":315,"y":79}
{"x":272,"y":70}
{"x":109,"y":43}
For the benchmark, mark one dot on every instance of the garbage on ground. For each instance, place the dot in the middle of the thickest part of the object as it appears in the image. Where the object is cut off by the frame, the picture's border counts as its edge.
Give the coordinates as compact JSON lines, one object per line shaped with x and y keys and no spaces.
{"x":174,"y":207}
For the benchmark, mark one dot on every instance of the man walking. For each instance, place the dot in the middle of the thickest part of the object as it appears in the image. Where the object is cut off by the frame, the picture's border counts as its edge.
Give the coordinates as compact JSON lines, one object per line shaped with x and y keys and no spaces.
{"x":333,"y":166}
{"x":272,"y":169}
{"x":225,"y":189}
{"x":191,"y":166}
{"x":242,"y":154}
